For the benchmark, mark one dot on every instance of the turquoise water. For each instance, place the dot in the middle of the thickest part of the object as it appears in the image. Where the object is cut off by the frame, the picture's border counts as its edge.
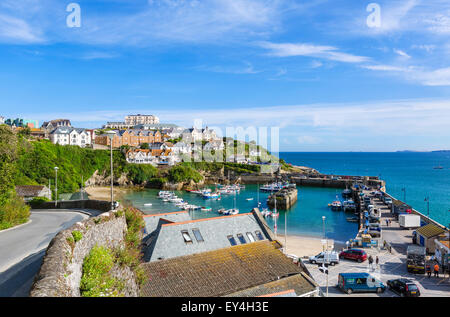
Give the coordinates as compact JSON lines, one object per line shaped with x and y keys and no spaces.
{"x":410,"y":170}
{"x":305,"y":218}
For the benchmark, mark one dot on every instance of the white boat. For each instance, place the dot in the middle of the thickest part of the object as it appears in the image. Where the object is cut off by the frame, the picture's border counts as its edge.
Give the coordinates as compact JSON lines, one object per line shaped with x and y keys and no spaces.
{"x":275,"y":214}
{"x":206,"y":209}
{"x":148,"y":204}
{"x":249,"y":199}
{"x":221,"y":211}
{"x":211,"y":195}
{"x":265,"y":212}
{"x":233,"y":211}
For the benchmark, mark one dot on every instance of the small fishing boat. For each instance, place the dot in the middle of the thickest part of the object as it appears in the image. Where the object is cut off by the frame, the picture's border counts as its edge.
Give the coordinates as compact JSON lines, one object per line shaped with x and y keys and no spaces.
{"x":206,"y":209}
{"x":352,"y":219}
{"x":439,"y":167}
{"x":233,"y":211}
{"x":249,"y":199}
{"x":275,"y":214}
{"x":221,"y":211}
{"x":265,"y":212}
{"x":346,"y":192}
{"x":147,"y":205}
{"x":336,"y":205}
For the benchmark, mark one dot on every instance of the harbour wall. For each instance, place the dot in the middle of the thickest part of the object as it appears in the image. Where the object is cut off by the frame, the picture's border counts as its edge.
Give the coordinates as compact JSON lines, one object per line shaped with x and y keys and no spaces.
{"x":331,"y":181}
{"x":423,"y":217}
{"x":285,"y":198}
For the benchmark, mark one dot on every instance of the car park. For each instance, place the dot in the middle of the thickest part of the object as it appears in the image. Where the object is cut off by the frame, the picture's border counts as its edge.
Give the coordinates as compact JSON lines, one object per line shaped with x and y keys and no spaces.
{"x":404,"y":287}
{"x":359,"y":282}
{"x":354,"y":254}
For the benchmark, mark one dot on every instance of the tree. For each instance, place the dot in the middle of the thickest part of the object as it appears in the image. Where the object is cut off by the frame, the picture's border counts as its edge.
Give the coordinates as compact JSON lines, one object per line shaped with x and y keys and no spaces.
{"x":8,"y":158}
{"x":145,"y":146}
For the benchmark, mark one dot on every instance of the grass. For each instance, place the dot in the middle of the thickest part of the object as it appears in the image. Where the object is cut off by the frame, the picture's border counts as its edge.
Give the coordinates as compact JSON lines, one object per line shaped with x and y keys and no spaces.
{"x":97,"y":280}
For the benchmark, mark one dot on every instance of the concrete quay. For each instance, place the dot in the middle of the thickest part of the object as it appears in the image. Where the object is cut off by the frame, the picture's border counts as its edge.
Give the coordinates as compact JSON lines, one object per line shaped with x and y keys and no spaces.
{"x":392,"y":264}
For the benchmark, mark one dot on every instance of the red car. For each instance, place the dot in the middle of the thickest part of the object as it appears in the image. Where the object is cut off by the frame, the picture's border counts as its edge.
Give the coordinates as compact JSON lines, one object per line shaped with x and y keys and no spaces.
{"x":354,"y":254}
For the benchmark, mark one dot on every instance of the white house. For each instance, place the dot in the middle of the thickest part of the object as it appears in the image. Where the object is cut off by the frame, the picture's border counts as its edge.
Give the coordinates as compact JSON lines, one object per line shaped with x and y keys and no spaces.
{"x":182,"y":148}
{"x":71,"y":136}
{"x":215,"y":145}
{"x":194,"y":134}
{"x":153,"y":157}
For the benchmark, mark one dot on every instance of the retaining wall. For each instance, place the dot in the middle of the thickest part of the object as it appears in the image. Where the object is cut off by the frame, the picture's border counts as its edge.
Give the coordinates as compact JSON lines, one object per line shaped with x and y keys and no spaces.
{"x":61,"y":270}
{"x":100,"y":205}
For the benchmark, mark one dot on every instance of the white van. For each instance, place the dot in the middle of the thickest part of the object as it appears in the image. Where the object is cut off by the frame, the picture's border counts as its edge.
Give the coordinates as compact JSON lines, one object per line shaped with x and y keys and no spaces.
{"x":330,"y":257}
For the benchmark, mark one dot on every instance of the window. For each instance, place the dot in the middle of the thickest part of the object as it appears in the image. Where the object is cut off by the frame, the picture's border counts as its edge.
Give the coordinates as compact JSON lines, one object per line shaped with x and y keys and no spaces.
{"x":259,"y":235}
{"x":197,"y":235}
{"x":241,"y":238}
{"x":186,"y":236}
{"x":250,"y":237}
{"x":232,"y":240}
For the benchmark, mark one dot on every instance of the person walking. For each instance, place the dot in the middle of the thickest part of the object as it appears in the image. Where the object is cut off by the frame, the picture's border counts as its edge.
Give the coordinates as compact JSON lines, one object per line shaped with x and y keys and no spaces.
{"x":371,"y":262}
{"x":428,"y":269}
{"x":436,"y":270}
{"x":377,"y":261}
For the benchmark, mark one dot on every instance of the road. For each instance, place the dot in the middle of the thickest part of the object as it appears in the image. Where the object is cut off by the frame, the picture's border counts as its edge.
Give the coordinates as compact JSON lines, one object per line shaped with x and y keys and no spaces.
{"x":392,"y":264}
{"x":22,"y":248}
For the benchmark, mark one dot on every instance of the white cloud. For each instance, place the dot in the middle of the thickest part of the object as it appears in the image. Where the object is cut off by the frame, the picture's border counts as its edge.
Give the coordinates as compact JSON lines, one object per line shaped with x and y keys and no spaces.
{"x":311,"y":50}
{"x":401,"y":53}
{"x":421,"y":75}
{"x":16,"y":30}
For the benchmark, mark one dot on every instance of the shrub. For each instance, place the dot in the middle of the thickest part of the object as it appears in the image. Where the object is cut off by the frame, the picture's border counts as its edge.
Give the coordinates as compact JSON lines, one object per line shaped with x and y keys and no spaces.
{"x":37,"y":201}
{"x":14,"y":212}
{"x":96,"y":280}
{"x":77,"y":235}
{"x":184,"y":173}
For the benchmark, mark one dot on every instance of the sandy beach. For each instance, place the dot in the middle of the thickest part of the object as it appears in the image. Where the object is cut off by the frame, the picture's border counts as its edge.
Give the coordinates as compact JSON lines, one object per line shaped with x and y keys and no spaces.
{"x":302,"y":246}
{"x":104,"y":193}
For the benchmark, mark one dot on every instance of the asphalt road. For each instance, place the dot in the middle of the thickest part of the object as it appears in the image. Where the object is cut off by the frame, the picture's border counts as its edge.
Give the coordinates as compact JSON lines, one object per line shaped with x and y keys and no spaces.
{"x":22,"y":248}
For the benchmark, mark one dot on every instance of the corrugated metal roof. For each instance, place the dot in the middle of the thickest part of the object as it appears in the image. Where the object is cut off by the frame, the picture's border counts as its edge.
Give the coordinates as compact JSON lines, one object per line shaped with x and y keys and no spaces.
{"x":224,"y":272}
{"x":430,"y":230}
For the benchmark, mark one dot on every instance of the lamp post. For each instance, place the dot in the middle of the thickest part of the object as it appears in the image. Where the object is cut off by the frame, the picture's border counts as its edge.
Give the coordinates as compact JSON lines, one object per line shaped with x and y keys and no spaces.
{"x":56,"y":186}
{"x":111,"y":135}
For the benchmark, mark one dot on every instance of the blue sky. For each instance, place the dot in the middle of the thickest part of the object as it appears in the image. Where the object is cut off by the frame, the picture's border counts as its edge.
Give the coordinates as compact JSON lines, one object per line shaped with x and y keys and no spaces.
{"x":313,"y":68}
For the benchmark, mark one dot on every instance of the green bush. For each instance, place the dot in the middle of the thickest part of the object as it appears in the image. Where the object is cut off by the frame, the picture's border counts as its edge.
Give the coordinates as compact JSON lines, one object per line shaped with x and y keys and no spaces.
{"x":184,"y":173}
{"x":139,"y":173}
{"x":96,"y":280}
{"x":37,"y":201}
{"x":14,"y":212}
{"x":77,"y":235}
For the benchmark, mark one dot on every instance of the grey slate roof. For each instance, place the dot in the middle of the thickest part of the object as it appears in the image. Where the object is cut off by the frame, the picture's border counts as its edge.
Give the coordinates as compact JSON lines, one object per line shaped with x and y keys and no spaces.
{"x":168,"y":242}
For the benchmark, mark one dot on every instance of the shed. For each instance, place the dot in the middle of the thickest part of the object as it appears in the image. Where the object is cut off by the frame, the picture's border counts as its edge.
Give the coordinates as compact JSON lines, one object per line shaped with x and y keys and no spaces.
{"x":427,"y":234}
{"x":28,"y":192}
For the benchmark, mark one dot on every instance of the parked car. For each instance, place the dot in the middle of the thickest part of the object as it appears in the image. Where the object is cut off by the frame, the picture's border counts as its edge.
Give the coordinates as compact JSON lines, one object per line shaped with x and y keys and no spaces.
{"x":388,"y":201}
{"x":354,"y":254}
{"x":359,"y":282}
{"x":404,"y":287}
{"x":330,"y":257}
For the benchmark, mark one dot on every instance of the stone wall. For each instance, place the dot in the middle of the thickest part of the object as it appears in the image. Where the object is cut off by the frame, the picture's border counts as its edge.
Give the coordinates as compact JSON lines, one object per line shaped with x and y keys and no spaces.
{"x":100,"y":205}
{"x":61,"y":270}
{"x":286,"y":198}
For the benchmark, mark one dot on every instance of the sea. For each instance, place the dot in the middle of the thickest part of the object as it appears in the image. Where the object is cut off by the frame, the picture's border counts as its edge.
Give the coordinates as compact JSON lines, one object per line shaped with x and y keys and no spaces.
{"x":409,"y":175}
